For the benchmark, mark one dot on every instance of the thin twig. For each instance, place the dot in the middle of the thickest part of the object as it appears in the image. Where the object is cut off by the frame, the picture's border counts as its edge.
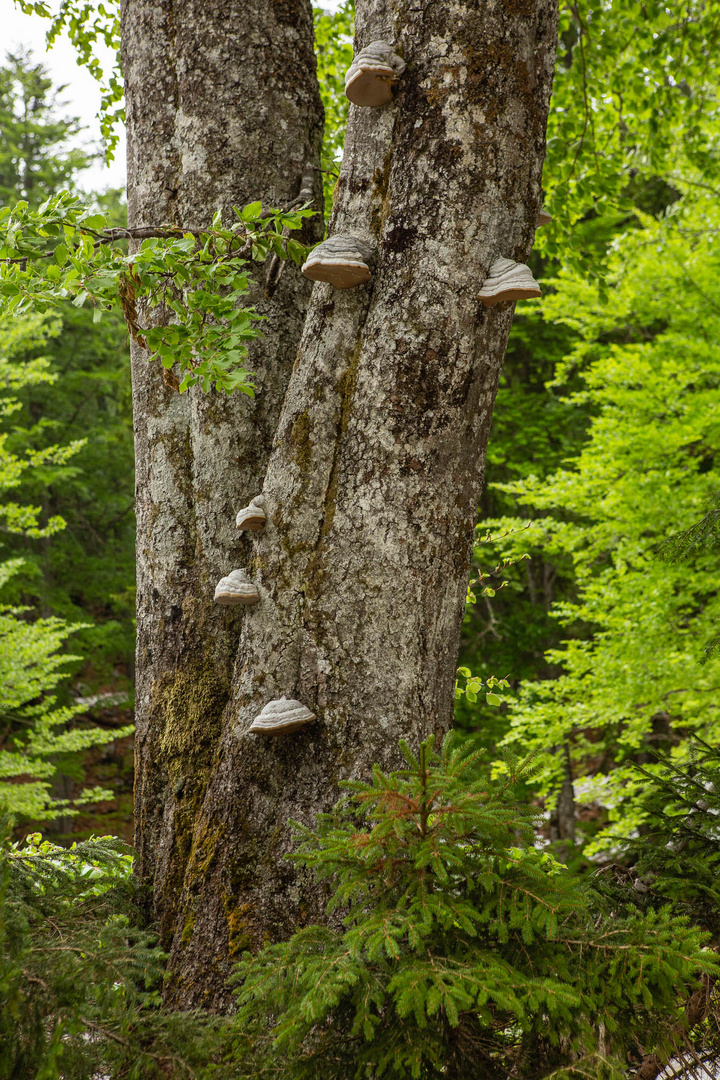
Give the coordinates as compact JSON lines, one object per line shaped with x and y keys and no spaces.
{"x":124,"y":1042}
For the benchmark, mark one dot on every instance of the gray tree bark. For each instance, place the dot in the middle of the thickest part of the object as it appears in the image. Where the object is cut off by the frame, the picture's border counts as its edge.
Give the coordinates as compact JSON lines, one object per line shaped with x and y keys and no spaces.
{"x":374,"y":479}
{"x":222,"y":108}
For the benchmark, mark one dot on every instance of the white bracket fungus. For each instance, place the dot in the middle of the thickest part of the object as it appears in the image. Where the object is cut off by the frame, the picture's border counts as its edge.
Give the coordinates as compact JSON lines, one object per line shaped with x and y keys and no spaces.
{"x":236,"y":588}
{"x":370,"y":77}
{"x":253,"y":516}
{"x":341,"y":260}
{"x":282,"y":716}
{"x":508,"y":280}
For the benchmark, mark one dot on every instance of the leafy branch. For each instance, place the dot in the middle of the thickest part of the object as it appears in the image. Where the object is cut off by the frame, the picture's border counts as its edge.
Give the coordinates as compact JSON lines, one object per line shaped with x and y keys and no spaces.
{"x":182,"y":292}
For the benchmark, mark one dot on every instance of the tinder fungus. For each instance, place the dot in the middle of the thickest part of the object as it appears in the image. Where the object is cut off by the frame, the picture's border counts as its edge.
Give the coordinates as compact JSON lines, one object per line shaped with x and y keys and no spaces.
{"x":370,"y":77}
{"x":342,"y":260}
{"x":508,"y":280}
{"x":543,"y":218}
{"x":253,"y":516}
{"x":282,"y":716}
{"x":236,"y":588}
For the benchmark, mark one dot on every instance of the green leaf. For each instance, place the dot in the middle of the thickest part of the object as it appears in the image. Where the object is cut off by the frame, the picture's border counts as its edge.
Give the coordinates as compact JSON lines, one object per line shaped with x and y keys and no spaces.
{"x":251,"y":212}
{"x":93,"y":221}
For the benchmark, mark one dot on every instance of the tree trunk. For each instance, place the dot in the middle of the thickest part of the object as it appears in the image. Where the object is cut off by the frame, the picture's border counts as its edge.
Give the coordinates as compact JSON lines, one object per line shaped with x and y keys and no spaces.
{"x":223,"y":108}
{"x":374,"y":478}
{"x":562,"y":818}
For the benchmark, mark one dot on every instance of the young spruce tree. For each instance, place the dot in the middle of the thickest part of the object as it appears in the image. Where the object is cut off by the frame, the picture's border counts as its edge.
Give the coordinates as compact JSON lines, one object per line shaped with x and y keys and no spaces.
{"x":458,"y":949}
{"x":78,"y":983}
{"x":674,"y":864}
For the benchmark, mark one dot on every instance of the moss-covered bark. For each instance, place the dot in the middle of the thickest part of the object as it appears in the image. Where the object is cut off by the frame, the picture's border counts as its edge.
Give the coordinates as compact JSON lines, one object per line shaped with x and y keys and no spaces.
{"x":223,"y":108}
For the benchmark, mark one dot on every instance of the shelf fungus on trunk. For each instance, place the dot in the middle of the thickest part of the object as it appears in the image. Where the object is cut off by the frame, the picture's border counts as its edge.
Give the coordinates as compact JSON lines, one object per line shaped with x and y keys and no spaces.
{"x":543,"y":218}
{"x":282,"y":716}
{"x":341,"y":260}
{"x":508,"y":280}
{"x":236,"y":588}
{"x":369,"y":79}
{"x":252,"y":516}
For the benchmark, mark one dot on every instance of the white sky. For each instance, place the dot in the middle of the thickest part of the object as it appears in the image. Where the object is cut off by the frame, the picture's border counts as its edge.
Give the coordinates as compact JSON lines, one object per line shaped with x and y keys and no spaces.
{"x":82,"y":93}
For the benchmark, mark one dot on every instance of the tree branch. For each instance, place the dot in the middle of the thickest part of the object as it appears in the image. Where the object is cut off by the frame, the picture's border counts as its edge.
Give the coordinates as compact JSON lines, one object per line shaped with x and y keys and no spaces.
{"x":107,"y":1034}
{"x":696,"y":1008}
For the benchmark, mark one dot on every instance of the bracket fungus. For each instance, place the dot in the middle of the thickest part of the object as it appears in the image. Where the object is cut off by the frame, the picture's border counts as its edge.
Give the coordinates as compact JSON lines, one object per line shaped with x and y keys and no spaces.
{"x":282,"y":716}
{"x":370,"y":77}
{"x":508,"y":280}
{"x":253,"y":516}
{"x":236,"y":588}
{"x":341,"y":260}
{"x":543,"y":218}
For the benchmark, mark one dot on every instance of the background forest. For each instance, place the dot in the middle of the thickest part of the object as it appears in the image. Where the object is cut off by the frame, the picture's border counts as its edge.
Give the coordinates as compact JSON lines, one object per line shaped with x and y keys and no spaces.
{"x":594,"y":601}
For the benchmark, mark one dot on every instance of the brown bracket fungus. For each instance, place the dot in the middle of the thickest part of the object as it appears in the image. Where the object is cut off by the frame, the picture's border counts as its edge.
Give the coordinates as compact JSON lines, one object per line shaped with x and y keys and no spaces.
{"x":282,"y":716}
{"x":508,"y":280}
{"x":253,"y":516}
{"x":370,"y":77}
{"x":236,"y":588}
{"x":543,"y":218}
{"x":341,"y":260}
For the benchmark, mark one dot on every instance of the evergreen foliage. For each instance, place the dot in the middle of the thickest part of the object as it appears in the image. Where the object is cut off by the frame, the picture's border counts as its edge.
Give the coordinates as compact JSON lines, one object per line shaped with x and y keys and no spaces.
{"x":79,"y":984}
{"x":675,"y":860}
{"x":464,"y":950}
{"x":52,"y":427}
{"x":35,"y":727}
{"x":676,"y":854}
{"x":70,"y":384}
{"x":702,"y":537}
{"x":86,"y":572}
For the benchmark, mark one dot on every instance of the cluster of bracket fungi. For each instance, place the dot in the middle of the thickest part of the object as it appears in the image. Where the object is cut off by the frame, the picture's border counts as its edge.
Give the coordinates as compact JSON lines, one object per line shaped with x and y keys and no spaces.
{"x":283,"y":715}
{"x":344,"y":261}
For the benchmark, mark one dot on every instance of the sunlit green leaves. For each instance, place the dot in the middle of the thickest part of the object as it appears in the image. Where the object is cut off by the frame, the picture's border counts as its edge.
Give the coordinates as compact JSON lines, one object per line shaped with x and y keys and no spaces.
{"x":474,"y":685}
{"x":183,"y":295}
{"x":634,"y":99}
{"x":86,"y":24}
{"x":334,"y":52}
{"x":646,"y":366}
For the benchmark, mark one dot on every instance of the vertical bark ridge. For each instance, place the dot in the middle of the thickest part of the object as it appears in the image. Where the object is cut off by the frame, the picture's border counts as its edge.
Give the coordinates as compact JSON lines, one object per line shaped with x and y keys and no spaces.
{"x":223,"y":108}
{"x":374,"y":479}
